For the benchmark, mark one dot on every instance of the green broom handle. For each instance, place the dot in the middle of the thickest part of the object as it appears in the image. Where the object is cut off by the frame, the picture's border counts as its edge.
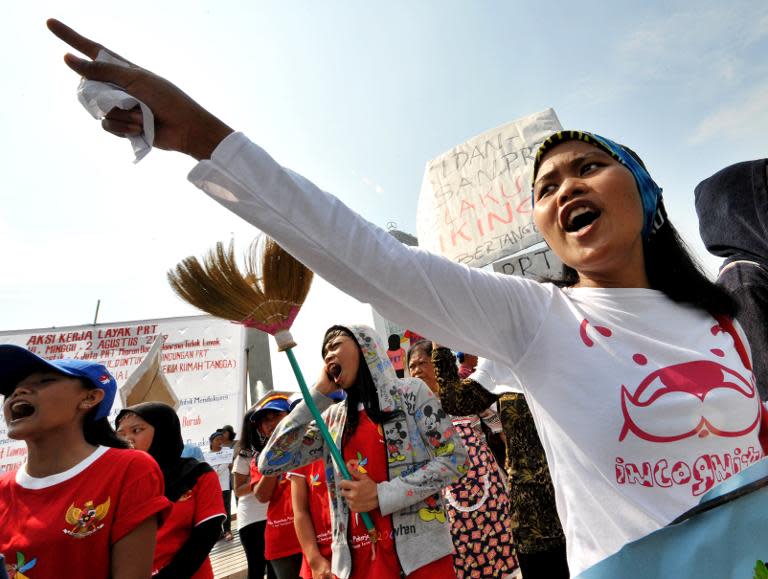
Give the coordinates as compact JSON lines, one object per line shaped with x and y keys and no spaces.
{"x":335,"y":452}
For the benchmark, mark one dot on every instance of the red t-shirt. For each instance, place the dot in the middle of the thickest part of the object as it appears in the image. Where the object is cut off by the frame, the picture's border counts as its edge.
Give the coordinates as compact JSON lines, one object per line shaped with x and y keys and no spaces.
{"x":280,"y":535}
{"x":201,"y":503}
{"x":319,"y":510}
{"x":397,"y":357}
{"x":65,"y":524}
{"x":365,"y":452}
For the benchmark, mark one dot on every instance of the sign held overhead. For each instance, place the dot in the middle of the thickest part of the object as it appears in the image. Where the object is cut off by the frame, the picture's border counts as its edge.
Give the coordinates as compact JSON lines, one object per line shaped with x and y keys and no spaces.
{"x":474,"y":205}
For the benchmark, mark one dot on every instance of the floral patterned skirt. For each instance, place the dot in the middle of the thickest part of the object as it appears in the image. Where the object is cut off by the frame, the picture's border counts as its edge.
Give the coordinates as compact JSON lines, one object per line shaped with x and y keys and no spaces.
{"x":478,"y":509}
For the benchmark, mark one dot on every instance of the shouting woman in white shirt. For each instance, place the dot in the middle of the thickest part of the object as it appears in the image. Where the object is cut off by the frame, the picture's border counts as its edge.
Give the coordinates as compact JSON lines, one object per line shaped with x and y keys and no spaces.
{"x":640,"y":385}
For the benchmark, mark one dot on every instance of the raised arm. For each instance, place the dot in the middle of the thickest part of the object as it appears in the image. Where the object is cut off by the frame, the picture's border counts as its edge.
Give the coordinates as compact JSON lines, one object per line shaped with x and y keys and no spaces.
{"x":180,"y":123}
{"x":492,"y":315}
{"x":458,"y":397}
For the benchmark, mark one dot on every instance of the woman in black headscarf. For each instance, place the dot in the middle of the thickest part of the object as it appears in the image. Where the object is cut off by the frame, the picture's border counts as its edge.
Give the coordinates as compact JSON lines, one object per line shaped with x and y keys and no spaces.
{"x":194,"y":525}
{"x":732,"y":206}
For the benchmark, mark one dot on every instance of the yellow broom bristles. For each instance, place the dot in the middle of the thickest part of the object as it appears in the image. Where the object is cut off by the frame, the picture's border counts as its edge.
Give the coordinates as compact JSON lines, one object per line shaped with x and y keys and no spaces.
{"x":269,"y":293}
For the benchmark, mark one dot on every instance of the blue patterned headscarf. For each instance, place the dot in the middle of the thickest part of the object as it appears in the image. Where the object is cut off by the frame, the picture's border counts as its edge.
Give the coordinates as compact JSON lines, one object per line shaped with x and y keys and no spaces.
{"x":650,"y":192}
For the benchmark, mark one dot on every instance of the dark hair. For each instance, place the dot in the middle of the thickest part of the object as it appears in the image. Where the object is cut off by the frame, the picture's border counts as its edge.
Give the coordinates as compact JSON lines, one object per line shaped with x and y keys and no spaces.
{"x":424,"y":346}
{"x":230,"y":430}
{"x":100,"y":432}
{"x":362,"y":391}
{"x":672,"y":269}
{"x":394,"y":342}
{"x":250,"y":439}
{"x":246,"y":446}
{"x":214,"y":436}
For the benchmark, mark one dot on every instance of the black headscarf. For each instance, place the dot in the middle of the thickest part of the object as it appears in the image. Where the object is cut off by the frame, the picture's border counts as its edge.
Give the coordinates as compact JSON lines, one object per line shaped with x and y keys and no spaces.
{"x":732,"y":206}
{"x":180,"y":474}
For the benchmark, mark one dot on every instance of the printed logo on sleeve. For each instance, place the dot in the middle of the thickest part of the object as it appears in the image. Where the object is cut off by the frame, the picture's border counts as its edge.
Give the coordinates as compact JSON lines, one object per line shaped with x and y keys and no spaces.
{"x":17,"y":570}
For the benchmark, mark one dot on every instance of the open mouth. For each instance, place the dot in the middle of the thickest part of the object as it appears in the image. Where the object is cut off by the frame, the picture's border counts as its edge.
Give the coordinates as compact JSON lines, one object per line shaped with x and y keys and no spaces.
{"x":580,"y":218}
{"x":21,"y":409}
{"x":335,"y":371}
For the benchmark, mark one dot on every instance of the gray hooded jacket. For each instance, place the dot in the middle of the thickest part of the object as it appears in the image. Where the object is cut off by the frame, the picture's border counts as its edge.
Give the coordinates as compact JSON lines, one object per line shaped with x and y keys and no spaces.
{"x":424,"y":455}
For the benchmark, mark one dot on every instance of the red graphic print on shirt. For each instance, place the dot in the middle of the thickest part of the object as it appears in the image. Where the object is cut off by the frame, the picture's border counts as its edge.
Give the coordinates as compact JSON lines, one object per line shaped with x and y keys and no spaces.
{"x":682,"y":401}
{"x":693,"y":389}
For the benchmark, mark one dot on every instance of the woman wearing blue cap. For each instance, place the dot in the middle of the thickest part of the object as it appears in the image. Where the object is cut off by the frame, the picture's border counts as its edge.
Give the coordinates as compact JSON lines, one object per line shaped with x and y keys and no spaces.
{"x":639,"y":382}
{"x":281,"y":545}
{"x":82,"y":503}
{"x":251,"y":513}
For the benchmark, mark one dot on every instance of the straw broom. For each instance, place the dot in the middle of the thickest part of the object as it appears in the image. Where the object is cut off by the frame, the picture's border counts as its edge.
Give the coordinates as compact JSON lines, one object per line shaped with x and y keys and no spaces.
{"x":268,"y":297}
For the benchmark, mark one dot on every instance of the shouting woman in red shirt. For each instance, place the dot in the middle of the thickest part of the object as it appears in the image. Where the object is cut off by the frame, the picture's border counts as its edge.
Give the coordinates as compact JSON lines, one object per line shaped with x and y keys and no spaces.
{"x":82,"y":505}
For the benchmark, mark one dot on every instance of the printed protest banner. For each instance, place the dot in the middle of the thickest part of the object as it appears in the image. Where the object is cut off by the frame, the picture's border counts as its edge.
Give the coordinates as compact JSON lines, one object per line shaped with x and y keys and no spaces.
{"x":202,"y":358}
{"x":474,"y":205}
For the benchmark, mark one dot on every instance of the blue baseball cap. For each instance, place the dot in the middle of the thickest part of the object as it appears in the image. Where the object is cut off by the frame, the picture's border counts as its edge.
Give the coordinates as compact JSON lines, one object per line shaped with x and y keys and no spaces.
{"x":276,"y":401}
{"x":16,"y":363}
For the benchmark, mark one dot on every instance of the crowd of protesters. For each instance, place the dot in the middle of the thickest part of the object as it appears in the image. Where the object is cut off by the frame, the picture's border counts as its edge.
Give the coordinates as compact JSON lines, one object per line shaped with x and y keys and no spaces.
{"x":584,"y":378}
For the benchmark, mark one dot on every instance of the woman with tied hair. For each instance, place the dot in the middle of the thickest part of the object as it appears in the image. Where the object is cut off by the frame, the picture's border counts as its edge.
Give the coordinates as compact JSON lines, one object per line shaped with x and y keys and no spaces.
{"x":538,"y":534}
{"x":633,"y":370}
{"x":399,"y":446}
{"x":82,"y":501}
{"x":194,"y":524}
{"x":281,"y":545}
{"x":477,"y":504}
{"x":251,"y":513}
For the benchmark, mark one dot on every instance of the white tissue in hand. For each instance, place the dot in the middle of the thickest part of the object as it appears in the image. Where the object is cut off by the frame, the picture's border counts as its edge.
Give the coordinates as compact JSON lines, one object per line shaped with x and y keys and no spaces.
{"x":99,"y":98}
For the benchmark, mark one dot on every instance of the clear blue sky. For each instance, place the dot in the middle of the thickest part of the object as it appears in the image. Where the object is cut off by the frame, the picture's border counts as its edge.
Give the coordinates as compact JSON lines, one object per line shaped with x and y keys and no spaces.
{"x":355,"y":95}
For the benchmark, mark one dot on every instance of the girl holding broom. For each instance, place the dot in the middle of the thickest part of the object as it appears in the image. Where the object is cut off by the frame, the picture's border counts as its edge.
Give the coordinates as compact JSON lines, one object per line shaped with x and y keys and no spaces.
{"x":400,"y":447}
{"x":634,"y":372}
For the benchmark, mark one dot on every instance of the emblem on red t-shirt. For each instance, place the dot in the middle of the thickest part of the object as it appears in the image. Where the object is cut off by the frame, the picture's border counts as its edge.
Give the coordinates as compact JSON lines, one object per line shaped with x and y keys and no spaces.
{"x":87,"y":520}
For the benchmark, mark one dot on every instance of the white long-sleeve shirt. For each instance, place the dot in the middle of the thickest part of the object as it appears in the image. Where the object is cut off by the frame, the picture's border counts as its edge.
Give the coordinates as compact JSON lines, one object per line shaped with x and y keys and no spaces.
{"x":641,"y":404}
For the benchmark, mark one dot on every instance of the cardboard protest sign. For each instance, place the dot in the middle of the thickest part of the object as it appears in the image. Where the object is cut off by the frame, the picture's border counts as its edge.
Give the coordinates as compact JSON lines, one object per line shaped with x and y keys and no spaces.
{"x":475,"y":205}
{"x":537,"y":262}
{"x":147,"y":383}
